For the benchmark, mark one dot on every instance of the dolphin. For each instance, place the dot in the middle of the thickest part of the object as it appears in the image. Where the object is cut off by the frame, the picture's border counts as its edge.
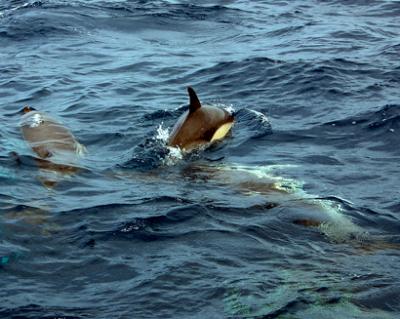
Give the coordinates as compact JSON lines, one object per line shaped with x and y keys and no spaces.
{"x":56,"y":147}
{"x":200,"y":125}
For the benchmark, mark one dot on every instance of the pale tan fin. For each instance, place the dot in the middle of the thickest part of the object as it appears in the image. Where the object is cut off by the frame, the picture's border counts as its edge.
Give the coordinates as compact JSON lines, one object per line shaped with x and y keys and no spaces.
{"x":221,"y":132}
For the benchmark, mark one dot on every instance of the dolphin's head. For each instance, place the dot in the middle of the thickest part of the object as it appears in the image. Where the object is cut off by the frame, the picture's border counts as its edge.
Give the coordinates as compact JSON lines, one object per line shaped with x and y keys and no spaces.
{"x":200,"y":125}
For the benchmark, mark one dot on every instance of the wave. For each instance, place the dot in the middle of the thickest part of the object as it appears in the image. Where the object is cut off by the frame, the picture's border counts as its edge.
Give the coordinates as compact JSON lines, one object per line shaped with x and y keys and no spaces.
{"x":382,"y":126}
{"x":376,"y":130}
{"x":285,"y":81}
{"x":24,"y":20}
{"x":10,"y":6}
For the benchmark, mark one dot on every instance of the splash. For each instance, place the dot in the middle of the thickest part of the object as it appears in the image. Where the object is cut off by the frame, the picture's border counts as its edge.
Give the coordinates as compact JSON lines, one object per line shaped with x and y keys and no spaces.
{"x":81,"y":150}
{"x":229,"y":108}
{"x":262,"y":117}
{"x":162,"y":133}
{"x":174,"y":154}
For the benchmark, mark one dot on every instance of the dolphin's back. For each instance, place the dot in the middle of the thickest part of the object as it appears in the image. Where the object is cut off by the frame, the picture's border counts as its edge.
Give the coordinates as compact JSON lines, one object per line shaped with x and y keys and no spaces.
{"x":46,"y":136}
{"x":198,"y":127}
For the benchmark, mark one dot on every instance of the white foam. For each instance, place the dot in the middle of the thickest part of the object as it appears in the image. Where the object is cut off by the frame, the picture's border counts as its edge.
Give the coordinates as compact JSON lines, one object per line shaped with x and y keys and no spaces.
{"x":175,"y":155}
{"x":260,"y":171}
{"x":81,"y":150}
{"x":339,"y":228}
{"x":335,"y":224}
{"x":230,"y":109}
{"x":261,"y":116}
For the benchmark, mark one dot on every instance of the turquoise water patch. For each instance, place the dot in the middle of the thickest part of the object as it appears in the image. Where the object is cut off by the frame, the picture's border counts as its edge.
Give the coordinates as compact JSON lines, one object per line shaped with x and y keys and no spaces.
{"x":6,"y":173}
{"x":297,"y":295}
{"x":4,"y":260}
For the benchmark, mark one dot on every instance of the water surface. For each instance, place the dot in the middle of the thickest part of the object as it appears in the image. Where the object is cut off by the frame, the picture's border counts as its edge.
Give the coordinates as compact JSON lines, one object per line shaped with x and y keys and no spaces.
{"x":140,"y":233}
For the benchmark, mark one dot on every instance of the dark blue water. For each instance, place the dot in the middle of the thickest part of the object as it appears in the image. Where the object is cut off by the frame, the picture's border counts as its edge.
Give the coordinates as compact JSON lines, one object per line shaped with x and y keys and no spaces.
{"x":140,"y":232}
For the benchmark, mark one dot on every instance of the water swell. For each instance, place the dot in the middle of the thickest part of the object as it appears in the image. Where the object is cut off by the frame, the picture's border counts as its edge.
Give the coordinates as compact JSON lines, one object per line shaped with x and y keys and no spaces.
{"x":328,"y":79}
{"x":381,"y":125}
{"x":35,"y":310}
{"x":9,"y":7}
{"x":27,"y":20}
{"x":36,"y":22}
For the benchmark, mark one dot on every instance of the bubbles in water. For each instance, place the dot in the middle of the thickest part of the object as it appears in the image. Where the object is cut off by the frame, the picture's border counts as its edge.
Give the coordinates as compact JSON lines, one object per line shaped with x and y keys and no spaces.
{"x":339,"y":227}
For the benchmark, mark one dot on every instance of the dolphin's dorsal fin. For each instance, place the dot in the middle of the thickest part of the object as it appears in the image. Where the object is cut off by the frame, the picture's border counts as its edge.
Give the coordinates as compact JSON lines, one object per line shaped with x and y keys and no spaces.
{"x":194,"y":103}
{"x":27,"y":109}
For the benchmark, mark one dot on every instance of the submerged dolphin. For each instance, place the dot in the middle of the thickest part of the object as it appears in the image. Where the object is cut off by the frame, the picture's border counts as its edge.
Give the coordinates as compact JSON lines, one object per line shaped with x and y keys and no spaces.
{"x":200,"y":125}
{"x":56,"y":147}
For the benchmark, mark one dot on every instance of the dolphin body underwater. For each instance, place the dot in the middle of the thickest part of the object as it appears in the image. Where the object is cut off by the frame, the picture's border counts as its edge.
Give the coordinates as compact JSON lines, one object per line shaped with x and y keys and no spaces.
{"x":57,"y":149}
{"x":200,"y":126}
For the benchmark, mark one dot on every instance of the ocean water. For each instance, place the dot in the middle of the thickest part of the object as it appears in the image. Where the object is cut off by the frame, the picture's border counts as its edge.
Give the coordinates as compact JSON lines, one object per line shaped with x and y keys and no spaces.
{"x":294,"y":215}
